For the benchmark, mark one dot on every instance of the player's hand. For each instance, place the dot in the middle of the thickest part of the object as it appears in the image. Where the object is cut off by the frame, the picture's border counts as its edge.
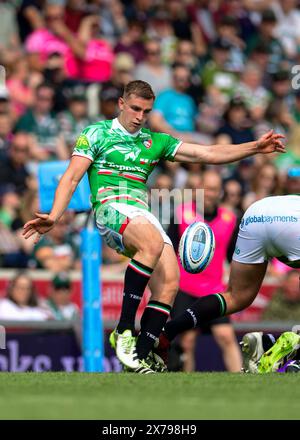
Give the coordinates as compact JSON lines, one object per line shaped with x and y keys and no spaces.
{"x":270,"y":143}
{"x":42,"y":224}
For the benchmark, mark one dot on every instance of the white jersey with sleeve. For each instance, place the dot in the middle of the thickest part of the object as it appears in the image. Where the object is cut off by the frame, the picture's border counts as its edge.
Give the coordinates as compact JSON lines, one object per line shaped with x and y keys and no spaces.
{"x":270,"y":228}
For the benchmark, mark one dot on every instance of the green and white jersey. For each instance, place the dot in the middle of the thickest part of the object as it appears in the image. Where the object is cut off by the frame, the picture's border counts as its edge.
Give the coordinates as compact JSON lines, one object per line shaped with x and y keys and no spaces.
{"x":121,"y":161}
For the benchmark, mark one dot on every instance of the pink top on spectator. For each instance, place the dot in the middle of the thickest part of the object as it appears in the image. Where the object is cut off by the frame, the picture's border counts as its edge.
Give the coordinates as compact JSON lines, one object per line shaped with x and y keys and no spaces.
{"x":15,"y":85}
{"x":45,"y":43}
{"x":211,"y":279}
{"x":97,"y":65}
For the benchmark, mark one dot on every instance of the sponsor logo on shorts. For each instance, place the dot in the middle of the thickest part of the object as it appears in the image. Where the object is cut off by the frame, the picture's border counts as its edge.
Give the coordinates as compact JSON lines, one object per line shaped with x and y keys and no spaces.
{"x":268,"y":219}
{"x":237,"y":250}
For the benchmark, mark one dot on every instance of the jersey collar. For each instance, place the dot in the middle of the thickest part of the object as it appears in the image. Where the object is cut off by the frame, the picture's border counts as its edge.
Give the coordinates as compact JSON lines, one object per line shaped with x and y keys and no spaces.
{"x":116,"y":125}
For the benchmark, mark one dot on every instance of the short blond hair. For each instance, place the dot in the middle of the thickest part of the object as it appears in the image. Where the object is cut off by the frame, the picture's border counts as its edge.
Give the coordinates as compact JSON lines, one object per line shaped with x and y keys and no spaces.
{"x":139,"y":88}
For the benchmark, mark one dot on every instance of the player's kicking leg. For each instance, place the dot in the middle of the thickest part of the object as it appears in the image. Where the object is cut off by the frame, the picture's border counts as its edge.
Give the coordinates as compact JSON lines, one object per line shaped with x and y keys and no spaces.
{"x":144,"y":241}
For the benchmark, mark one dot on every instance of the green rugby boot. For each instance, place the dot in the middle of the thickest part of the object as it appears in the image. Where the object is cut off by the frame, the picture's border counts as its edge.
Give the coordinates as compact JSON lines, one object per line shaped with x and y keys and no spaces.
{"x":284,"y":349}
{"x":113,"y":338}
{"x":126,"y":349}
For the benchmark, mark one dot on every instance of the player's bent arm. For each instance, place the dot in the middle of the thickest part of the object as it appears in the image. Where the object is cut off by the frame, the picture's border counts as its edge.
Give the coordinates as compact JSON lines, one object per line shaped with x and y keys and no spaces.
{"x":214,"y":154}
{"x":68,"y":183}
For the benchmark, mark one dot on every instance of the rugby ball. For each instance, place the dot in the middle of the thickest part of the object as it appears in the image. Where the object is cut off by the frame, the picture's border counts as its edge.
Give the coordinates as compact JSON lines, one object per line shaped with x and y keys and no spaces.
{"x":196,"y":247}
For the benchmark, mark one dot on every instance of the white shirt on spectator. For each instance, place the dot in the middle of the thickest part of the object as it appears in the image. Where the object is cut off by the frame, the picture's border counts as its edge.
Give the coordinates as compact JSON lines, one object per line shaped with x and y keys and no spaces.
{"x":13,"y":312}
{"x":287,"y":29}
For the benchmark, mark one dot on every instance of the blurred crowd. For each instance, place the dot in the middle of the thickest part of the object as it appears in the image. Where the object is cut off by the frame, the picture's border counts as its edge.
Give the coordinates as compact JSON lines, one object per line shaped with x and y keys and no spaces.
{"x":223,"y":71}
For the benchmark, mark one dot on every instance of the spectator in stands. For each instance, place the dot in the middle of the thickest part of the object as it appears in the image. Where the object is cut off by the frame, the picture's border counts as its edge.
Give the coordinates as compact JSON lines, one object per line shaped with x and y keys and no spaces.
{"x":21,"y":302}
{"x":56,"y":37}
{"x":113,"y":20}
{"x":74,"y":119}
{"x":30,"y":17}
{"x":6,"y":125}
{"x":13,"y":167}
{"x":292,"y":157}
{"x":232,"y":197}
{"x":58,"y":305}
{"x":5,"y":103}
{"x":260,"y":57}
{"x":122,"y":73}
{"x":12,"y":253}
{"x":281,"y":88}
{"x":216,"y":74}
{"x":223,"y":224}
{"x":152,"y":69}
{"x":250,"y":89}
{"x":292,"y":181}
{"x":131,"y":41}
{"x":97,"y":59}
{"x":140,"y":11}
{"x":178,"y":118}
{"x":43,"y":125}
{"x":9,"y":204}
{"x":277,"y":118}
{"x":265,"y":183}
{"x":228,"y":31}
{"x":285,"y":302}
{"x":108,"y":101}
{"x":75,"y":11}
{"x":57,"y":250}
{"x":160,"y":28}
{"x":237,"y":124}
{"x":202,"y":13}
{"x":186,"y":55}
{"x":265,"y":35}
{"x":55,"y":75}
{"x":10,"y":48}
{"x":20,"y":91}
{"x":288,"y":25}
{"x":179,"y":19}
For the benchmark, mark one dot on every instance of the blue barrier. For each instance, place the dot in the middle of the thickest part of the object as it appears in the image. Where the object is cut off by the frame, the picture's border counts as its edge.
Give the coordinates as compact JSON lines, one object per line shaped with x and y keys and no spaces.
{"x":49,"y":174}
{"x":93,"y":347}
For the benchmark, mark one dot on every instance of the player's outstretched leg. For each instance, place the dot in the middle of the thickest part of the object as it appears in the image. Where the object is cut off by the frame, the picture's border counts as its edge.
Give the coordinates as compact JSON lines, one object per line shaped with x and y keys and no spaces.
{"x":244,"y":283}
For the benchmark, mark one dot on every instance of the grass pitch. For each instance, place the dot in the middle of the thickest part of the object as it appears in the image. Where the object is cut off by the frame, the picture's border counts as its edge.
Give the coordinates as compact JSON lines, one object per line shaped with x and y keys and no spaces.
{"x":173,"y":396}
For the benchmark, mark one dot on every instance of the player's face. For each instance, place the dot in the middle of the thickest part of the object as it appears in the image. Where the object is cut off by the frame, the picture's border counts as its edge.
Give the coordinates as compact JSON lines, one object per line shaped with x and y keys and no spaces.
{"x":134,"y":112}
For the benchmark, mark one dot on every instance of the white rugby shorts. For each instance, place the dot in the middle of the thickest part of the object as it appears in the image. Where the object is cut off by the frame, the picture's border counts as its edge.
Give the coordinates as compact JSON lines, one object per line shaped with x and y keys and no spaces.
{"x":270,"y":228}
{"x":114,"y":239}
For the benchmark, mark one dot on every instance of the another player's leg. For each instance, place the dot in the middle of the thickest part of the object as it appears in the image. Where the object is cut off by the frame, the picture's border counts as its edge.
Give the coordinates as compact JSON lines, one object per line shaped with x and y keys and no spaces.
{"x":244,"y":283}
{"x":254,"y":345}
{"x":143,"y":240}
{"x":224,"y":335}
{"x":163,"y":285}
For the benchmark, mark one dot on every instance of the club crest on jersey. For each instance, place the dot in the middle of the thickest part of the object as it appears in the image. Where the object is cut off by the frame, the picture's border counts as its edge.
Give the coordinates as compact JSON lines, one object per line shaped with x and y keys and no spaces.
{"x":148,"y":143}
